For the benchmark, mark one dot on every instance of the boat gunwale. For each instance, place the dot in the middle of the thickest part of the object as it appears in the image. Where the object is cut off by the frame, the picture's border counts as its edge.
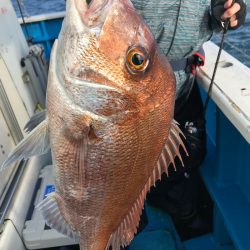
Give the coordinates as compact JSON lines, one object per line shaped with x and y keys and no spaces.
{"x":42,"y":17}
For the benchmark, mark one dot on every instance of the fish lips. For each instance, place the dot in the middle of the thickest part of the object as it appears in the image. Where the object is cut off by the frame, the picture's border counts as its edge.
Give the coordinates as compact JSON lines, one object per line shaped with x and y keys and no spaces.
{"x":93,"y":12}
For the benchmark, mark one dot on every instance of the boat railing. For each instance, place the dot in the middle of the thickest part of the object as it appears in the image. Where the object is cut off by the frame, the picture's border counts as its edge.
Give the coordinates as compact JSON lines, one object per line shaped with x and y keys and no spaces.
{"x":43,"y":29}
{"x":43,"y":17}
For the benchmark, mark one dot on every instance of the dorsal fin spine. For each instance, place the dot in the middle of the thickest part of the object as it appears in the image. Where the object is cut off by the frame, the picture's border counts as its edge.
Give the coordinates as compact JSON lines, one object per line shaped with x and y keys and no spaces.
{"x":170,"y":155}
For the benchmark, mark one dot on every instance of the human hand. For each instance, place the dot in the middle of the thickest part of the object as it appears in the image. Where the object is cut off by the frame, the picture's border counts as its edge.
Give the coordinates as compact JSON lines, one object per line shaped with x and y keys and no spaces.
{"x":230,"y":13}
{"x":223,"y":10}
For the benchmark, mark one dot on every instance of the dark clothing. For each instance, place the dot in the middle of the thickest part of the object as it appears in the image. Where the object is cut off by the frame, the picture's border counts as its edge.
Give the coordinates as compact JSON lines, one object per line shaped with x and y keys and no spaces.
{"x":180,"y":28}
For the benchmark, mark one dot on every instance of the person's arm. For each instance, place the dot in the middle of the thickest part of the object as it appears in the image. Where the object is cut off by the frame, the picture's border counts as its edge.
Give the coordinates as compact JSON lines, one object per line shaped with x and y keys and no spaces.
{"x":221,"y":10}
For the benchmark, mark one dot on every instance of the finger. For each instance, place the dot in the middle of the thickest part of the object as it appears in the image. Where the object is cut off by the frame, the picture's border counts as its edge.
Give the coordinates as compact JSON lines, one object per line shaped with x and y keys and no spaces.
{"x":233,"y":18}
{"x":233,"y":23}
{"x":231,"y":11}
{"x":228,"y":4}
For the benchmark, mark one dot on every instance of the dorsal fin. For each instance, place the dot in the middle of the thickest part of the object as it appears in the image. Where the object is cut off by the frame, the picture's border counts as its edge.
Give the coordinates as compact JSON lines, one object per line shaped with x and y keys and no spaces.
{"x":172,"y":148}
{"x":128,"y":227}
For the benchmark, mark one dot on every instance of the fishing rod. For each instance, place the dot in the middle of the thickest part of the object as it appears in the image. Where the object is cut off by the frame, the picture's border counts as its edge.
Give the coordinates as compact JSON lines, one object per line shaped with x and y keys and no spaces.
{"x":225,"y":26}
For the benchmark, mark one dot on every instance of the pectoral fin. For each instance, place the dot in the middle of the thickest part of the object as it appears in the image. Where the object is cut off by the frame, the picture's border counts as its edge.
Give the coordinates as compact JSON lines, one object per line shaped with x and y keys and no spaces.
{"x":35,"y":120}
{"x":36,"y":143}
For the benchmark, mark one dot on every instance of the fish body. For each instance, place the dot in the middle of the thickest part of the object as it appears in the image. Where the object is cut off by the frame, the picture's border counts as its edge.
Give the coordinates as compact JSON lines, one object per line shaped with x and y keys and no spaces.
{"x":109,"y":121}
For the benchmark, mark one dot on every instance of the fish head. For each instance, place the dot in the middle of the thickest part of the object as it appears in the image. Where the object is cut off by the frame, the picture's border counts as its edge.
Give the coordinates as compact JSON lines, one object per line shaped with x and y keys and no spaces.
{"x":106,"y":48}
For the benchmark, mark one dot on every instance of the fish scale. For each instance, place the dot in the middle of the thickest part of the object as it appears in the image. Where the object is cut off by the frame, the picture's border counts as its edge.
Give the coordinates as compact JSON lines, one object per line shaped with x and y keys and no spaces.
{"x":109,"y":122}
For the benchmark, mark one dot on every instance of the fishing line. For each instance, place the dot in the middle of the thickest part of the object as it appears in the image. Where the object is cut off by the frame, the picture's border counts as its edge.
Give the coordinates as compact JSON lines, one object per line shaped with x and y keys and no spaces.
{"x":175,"y":28}
{"x":225,"y":26}
{"x":29,"y":39}
{"x":238,"y":49}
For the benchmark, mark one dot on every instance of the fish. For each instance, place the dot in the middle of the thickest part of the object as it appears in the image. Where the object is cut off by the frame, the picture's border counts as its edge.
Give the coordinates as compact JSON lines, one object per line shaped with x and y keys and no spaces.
{"x":108,"y":123}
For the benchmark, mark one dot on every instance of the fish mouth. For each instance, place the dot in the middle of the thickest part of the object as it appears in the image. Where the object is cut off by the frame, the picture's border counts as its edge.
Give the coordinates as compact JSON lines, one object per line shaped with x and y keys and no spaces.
{"x":81,"y":40}
{"x":83,"y":24}
{"x":93,"y":13}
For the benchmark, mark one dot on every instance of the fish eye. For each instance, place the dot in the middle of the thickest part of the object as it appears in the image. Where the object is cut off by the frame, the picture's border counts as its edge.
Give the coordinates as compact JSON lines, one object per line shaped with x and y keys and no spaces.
{"x":88,"y":2}
{"x":137,"y":60}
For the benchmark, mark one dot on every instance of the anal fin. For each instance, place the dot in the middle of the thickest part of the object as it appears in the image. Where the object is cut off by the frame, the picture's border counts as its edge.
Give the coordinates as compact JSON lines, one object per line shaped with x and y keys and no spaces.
{"x":53,"y":217}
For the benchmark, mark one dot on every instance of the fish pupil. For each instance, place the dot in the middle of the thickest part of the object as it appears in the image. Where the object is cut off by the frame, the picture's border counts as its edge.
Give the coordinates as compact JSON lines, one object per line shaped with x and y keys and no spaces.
{"x":88,"y":2}
{"x":137,"y":59}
